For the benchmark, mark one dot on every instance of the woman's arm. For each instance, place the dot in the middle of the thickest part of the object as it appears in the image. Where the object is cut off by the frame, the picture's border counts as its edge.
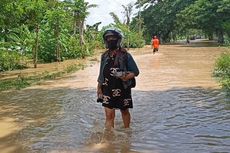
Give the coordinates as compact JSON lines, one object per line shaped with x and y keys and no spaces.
{"x":132,"y":69}
{"x":99,"y":91}
{"x":132,"y":66}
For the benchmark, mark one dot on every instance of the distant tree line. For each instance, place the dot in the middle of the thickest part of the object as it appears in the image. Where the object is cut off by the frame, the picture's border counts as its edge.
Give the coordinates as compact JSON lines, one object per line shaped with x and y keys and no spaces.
{"x":173,"y":19}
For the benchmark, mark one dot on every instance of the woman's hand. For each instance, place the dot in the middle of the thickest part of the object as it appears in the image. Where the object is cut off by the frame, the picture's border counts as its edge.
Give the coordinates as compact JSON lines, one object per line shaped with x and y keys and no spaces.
{"x":129,"y":75}
{"x":99,"y":91}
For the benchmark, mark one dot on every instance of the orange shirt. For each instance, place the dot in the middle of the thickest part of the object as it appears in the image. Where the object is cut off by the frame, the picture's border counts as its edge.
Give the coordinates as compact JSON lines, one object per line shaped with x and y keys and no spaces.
{"x":155,"y":43}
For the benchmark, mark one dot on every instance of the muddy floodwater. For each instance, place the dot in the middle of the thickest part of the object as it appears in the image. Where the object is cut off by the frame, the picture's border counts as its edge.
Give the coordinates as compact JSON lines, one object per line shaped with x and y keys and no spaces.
{"x":178,"y":108}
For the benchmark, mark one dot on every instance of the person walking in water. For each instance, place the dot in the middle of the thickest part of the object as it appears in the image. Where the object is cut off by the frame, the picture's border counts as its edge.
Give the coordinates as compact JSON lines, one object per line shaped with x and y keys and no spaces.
{"x":155,"y":44}
{"x":116,"y":78}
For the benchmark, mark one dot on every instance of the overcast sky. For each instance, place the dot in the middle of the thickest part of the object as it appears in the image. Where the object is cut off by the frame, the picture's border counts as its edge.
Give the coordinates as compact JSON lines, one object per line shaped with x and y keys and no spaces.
{"x":101,"y":13}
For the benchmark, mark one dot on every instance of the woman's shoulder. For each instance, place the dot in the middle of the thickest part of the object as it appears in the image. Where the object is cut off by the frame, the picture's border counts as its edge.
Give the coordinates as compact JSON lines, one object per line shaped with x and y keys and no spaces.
{"x":123,"y":50}
{"x":105,"y":53}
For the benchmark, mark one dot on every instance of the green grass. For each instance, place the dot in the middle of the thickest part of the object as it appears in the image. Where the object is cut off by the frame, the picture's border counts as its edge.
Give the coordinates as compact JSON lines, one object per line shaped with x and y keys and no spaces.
{"x":22,"y":82}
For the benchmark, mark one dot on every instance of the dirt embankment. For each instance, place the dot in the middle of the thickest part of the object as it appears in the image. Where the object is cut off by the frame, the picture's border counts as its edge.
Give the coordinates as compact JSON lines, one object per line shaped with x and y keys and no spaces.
{"x":22,"y":78}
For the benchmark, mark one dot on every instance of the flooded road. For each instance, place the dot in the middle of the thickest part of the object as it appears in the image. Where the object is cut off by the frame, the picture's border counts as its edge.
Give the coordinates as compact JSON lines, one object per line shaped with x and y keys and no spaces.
{"x":178,"y":108}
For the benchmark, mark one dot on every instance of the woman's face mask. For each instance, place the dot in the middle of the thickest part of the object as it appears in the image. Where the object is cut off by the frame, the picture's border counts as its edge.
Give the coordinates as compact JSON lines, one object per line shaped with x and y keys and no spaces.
{"x":112,"y":42}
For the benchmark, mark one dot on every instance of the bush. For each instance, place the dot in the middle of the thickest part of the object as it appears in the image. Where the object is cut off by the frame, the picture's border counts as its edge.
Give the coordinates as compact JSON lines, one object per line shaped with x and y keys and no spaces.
{"x":227,"y":41}
{"x":222,"y":70}
{"x":46,"y":52}
{"x":75,"y":50}
{"x":136,"y":41}
{"x":11,"y":60}
{"x":69,"y":47}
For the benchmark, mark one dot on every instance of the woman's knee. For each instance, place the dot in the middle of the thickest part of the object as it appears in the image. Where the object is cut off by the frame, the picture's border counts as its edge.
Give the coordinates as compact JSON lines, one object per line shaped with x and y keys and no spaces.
{"x":110,"y":114}
{"x":125,"y":112}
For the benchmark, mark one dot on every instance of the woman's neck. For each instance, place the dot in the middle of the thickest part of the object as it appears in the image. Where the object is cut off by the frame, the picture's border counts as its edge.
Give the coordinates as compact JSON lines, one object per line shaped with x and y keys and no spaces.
{"x":112,"y":52}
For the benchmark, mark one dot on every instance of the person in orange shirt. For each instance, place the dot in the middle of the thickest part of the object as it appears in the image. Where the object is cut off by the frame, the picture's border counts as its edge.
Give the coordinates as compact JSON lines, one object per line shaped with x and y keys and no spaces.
{"x":155,"y":44}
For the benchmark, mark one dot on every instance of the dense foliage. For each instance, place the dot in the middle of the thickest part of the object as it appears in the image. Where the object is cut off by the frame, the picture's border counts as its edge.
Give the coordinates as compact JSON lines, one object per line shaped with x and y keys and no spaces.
{"x":171,"y":19}
{"x":50,"y":30}
{"x":222,"y":70}
{"x":42,"y":30}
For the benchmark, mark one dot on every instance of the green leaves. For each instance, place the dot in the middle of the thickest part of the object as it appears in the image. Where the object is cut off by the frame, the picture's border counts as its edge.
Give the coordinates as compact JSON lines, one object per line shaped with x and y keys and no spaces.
{"x":11,"y":60}
{"x":44,"y":29}
{"x":208,"y":15}
{"x":115,"y":18}
{"x":175,"y":17}
{"x":132,"y":37}
{"x":222,"y":70}
{"x":161,"y":18}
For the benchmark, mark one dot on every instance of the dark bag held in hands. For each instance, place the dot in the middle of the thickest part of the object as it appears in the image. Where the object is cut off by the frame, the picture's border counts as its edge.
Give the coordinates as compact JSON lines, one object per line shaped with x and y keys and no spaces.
{"x":130,"y":83}
{"x":121,"y":59}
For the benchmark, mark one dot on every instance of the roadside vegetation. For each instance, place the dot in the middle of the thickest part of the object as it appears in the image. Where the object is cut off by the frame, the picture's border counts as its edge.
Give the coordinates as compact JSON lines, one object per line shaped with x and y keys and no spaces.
{"x":22,"y":81}
{"x":222,"y":70}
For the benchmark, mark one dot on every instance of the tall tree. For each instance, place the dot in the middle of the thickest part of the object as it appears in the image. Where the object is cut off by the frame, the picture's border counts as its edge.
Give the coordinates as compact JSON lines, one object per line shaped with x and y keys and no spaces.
{"x":160,"y":17}
{"x":208,"y":15}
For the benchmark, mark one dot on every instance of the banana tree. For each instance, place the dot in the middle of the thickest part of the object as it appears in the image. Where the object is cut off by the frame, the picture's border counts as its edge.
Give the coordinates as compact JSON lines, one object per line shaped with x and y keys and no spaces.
{"x":56,"y":17}
{"x":80,"y":12}
{"x":128,"y":13}
{"x":34,"y":12}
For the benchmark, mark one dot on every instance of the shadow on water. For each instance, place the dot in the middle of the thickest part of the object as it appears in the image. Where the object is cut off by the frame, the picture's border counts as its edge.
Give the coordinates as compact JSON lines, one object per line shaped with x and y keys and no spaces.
{"x":69,"y":120}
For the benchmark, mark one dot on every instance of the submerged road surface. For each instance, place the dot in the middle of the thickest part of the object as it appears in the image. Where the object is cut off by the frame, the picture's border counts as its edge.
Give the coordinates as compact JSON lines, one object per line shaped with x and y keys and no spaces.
{"x":178,"y":108}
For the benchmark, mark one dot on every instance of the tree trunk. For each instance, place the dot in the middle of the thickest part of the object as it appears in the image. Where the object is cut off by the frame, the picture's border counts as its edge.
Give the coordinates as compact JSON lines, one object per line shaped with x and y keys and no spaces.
{"x":81,"y":32}
{"x":139,"y":22}
{"x":128,"y":39}
{"x":210,"y":35}
{"x":57,"y":35}
{"x":220,"y":34}
{"x":166,"y":37}
{"x":74,"y":28}
{"x":35,"y":49}
{"x":58,"y":52}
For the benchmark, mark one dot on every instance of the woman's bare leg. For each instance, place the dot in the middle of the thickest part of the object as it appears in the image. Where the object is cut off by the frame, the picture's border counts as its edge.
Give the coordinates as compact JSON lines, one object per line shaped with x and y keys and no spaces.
{"x":126,"y":117}
{"x":110,"y":116}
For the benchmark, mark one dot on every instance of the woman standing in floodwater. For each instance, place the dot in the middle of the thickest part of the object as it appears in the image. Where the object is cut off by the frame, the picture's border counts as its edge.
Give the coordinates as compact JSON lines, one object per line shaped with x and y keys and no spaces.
{"x":116,"y":78}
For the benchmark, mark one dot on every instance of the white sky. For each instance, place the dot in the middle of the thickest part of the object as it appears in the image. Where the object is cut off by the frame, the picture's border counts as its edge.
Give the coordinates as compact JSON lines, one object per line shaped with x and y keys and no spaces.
{"x":101,"y":12}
